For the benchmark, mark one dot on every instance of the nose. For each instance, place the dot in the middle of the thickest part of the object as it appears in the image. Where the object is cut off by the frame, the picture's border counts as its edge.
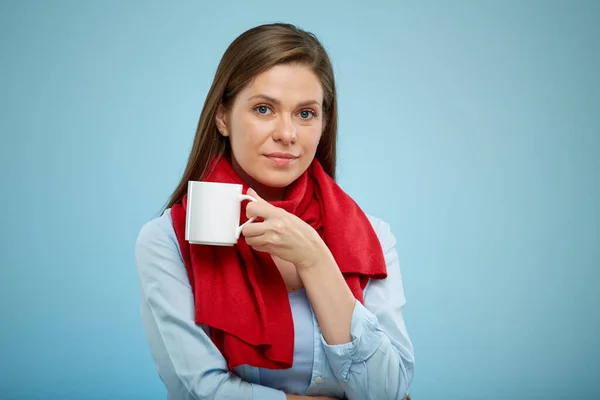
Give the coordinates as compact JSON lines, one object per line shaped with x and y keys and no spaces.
{"x":285,"y":131}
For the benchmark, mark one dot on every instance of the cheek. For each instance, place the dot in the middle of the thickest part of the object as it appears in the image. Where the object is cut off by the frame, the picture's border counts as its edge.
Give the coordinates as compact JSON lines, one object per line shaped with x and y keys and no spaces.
{"x":254,"y":132}
{"x":239,"y":132}
{"x":247,"y":136}
{"x":312,"y":137}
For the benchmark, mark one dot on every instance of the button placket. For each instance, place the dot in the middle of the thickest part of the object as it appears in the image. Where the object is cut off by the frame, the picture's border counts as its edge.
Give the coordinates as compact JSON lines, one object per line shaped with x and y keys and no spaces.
{"x":317,"y":373}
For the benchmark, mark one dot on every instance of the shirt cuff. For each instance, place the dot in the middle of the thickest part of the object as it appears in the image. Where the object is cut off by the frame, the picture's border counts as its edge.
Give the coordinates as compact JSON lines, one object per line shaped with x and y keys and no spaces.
{"x":366,"y":339}
{"x":266,"y":393}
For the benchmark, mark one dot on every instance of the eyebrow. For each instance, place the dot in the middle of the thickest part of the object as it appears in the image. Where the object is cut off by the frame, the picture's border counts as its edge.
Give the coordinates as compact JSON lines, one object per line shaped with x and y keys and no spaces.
{"x":277,"y":102}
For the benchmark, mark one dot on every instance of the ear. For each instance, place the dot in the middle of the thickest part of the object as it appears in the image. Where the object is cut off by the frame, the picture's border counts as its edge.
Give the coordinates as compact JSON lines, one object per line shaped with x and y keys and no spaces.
{"x":221,"y":121}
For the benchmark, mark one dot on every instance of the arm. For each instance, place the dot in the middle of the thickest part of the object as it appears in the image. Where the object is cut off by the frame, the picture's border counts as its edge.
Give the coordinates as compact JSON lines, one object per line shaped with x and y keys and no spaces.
{"x":297,"y":397}
{"x":377,"y":363}
{"x":330,"y":297}
{"x":188,"y":363}
{"x":367,"y":346}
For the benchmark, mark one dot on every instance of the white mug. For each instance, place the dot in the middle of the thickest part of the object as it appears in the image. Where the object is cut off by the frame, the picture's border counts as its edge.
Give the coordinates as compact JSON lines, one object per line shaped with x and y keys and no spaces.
{"x":213,"y":213}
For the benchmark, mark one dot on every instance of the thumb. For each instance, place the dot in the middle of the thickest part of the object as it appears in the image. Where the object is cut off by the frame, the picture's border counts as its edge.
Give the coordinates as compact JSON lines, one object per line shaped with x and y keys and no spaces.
{"x":252,"y":192}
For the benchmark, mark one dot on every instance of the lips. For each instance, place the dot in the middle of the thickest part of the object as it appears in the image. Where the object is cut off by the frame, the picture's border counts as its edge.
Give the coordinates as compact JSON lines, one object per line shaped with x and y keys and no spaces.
{"x":281,"y":159}
{"x":282,"y":155}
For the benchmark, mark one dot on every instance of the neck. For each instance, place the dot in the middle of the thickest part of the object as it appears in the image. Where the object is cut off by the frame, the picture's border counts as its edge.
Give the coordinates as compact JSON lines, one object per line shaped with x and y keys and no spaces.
{"x":266,"y":192}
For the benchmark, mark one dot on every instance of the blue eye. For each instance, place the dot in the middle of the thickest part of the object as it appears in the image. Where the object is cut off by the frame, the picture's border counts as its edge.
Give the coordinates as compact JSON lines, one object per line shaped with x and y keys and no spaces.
{"x":262,"y":109}
{"x":306,"y":114}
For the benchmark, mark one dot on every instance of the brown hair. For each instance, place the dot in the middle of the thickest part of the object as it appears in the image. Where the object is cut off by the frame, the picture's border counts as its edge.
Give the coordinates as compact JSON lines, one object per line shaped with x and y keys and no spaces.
{"x":250,"y":54}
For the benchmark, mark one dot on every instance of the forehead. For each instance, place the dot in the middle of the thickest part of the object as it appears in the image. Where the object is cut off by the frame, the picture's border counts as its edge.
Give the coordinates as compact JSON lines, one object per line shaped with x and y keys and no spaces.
{"x":287,"y":83}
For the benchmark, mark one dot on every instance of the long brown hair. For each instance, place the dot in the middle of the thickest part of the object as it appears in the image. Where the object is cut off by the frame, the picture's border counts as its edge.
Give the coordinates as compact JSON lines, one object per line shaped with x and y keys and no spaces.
{"x":250,"y":54}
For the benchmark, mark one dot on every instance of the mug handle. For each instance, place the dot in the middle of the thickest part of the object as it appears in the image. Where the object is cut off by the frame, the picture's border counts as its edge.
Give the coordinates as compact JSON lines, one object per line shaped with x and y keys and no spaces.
{"x":239,"y":228}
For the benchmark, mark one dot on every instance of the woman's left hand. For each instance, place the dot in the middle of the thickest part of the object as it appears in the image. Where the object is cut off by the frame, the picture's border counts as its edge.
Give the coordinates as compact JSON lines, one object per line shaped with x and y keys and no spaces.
{"x":282,"y":234}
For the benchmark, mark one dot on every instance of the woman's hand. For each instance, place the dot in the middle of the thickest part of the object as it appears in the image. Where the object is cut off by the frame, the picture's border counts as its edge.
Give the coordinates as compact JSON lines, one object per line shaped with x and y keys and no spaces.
{"x":283,"y":234}
{"x":288,"y":237}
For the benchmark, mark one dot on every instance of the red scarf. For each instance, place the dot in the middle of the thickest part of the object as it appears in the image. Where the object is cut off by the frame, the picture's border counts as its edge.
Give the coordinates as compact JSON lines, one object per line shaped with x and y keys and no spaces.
{"x":239,"y":292}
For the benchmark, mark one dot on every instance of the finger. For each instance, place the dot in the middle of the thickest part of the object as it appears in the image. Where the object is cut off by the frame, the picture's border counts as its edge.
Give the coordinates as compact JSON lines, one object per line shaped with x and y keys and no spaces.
{"x":263,"y":249}
{"x":257,"y":242}
{"x":261,"y":209}
{"x":251,"y":192}
{"x":254,"y":229}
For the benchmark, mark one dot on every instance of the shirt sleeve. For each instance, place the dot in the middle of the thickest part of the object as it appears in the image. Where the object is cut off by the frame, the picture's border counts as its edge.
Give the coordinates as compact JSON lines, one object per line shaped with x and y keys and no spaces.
{"x":187,"y":361}
{"x":378,"y":363}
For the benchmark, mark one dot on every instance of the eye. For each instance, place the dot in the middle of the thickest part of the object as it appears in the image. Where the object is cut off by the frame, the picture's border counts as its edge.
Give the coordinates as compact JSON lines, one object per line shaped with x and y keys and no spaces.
{"x":262,"y":109}
{"x":307,"y":114}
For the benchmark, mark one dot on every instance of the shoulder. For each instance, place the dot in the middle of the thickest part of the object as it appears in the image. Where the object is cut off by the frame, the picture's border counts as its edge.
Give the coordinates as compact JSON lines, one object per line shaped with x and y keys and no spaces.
{"x":159,"y":228}
{"x":390,"y":289}
{"x":157,"y":237}
{"x":160,"y":269}
{"x":383,"y":231}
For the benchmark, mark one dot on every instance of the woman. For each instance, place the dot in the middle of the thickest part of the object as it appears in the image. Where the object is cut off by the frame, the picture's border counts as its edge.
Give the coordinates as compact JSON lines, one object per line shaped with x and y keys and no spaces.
{"x":308,"y":303}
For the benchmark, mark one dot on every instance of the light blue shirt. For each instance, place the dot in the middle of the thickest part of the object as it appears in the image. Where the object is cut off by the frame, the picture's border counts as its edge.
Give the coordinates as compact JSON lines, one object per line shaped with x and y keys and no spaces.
{"x":377,"y":364}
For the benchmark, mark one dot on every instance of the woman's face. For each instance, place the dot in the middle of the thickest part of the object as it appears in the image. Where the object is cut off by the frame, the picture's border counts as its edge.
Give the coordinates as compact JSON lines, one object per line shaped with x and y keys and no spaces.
{"x":274,"y":126}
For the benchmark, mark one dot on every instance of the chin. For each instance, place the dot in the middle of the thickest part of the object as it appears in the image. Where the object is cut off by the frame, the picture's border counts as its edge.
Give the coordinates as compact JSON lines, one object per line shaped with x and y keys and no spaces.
{"x":277,"y":183}
{"x":279,"y":179}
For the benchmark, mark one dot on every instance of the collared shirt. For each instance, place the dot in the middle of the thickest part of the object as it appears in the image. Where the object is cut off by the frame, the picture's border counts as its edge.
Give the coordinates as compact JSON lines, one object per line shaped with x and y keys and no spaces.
{"x":377,"y":364}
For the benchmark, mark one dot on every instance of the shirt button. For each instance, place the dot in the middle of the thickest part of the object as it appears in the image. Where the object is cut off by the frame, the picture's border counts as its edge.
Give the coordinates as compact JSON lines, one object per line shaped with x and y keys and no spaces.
{"x":318,"y":379}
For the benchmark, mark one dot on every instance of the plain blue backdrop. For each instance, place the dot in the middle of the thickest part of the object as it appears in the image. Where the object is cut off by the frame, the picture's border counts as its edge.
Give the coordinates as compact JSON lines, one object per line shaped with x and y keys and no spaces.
{"x":472,"y":127}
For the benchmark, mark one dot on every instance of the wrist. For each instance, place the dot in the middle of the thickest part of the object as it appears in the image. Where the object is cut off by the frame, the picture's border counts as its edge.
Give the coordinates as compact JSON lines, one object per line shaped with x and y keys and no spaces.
{"x":318,"y":257}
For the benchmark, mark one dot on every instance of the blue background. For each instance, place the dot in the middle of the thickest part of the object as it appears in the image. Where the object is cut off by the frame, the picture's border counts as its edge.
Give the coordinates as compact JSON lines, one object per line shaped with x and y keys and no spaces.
{"x":472,"y":127}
